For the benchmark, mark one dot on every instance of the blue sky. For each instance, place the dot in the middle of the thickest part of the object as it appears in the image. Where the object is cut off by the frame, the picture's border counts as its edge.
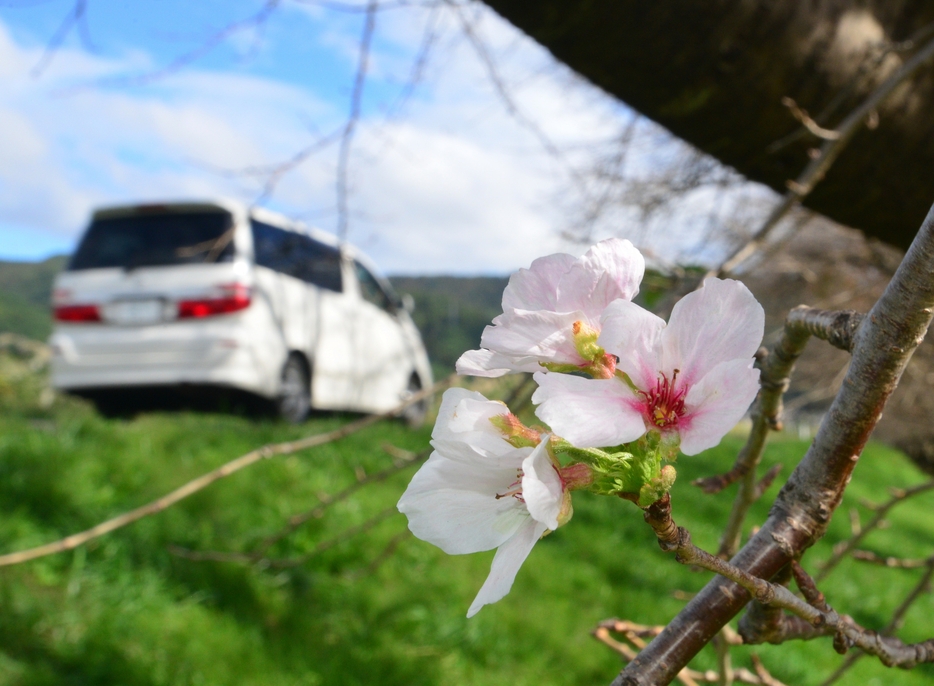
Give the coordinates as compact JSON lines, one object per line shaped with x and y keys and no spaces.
{"x":443,"y":181}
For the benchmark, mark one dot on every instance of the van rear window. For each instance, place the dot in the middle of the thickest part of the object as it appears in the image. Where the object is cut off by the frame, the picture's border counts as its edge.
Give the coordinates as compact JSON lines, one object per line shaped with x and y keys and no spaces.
{"x":156,"y":240}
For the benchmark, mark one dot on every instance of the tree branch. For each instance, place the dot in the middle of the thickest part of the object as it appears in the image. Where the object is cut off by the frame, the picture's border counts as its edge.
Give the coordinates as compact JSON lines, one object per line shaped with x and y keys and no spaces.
{"x":883,"y":344}
{"x":819,"y":619}
{"x":838,"y":329}
{"x":817,"y":168}
{"x":923,"y":586}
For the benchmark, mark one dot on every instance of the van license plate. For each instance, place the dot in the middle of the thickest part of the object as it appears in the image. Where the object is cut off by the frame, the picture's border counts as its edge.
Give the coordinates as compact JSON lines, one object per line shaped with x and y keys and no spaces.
{"x":135,"y":311}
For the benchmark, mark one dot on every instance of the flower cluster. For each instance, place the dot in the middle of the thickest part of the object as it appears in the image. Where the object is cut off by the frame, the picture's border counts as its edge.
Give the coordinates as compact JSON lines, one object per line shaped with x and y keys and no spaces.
{"x":621,"y":390}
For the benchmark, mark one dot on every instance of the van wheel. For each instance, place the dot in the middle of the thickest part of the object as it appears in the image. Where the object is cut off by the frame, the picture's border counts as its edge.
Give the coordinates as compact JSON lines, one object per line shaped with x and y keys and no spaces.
{"x":294,"y":400}
{"x":414,"y":415}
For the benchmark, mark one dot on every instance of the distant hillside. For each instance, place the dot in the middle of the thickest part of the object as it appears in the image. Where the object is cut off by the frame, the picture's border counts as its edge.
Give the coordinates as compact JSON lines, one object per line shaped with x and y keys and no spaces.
{"x":25,"y":290}
{"x":451,"y":312}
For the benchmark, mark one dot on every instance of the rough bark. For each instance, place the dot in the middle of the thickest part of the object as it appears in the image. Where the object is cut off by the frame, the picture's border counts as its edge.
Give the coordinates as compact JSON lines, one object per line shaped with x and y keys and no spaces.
{"x":715,"y":73}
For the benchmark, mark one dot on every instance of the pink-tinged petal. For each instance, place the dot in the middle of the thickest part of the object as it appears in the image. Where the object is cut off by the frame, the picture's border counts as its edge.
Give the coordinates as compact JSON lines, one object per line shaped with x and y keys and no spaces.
{"x":542,"y":489}
{"x":716,"y":403}
{"x":590,"y":413}
{"x":717,"y":323}
{"x":453,"y":505}
{"x":610,"y":270}
{"x":535,"y":288}
{"x":632,"y":334}
{"x":506,"y":564}
{"x":491,"y":364}
{"x":544,"y":336}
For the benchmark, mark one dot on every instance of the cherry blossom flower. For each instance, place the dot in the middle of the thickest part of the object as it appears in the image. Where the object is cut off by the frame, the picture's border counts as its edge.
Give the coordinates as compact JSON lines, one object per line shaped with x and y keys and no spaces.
{"x":478,"y":491}
{"x":691,"y":380}
{"x":551,"y":313}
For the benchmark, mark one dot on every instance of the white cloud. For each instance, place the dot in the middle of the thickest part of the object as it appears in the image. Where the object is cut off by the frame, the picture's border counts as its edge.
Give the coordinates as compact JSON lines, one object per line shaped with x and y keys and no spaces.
{"x":457,"y":185}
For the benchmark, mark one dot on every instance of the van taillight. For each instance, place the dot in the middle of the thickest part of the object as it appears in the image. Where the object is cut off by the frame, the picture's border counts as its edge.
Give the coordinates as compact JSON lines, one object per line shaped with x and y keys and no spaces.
{"x":77,"y":313}
{"x":232,"y":298}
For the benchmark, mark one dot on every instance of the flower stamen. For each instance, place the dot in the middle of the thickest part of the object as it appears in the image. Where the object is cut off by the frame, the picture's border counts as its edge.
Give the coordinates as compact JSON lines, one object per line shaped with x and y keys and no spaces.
{"x":514,"y":489}
{"x":664,"y":404}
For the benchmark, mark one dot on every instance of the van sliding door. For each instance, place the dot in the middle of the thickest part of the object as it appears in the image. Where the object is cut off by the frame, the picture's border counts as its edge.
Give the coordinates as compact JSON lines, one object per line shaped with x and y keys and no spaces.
{"x":385,"y":360}
{"x":316,"y":318}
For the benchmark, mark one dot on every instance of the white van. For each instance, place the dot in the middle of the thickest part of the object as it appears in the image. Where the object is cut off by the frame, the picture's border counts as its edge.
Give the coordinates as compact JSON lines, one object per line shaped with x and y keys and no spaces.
{"x":216,"y":294}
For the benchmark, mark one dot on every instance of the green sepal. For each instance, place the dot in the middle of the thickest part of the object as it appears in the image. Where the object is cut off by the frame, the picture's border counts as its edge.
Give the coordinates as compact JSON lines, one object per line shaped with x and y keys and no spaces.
{"x":656,"y":488}
{"x":636,"y":469}
{"x":561,"y":368}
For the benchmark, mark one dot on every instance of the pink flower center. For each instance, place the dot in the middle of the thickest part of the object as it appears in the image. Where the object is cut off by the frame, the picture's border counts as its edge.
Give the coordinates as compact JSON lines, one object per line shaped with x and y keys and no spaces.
{"x":664,"y":404}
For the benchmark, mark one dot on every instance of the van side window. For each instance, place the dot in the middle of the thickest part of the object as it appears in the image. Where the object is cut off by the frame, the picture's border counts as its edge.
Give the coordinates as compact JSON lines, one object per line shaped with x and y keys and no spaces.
{"x":372,"y":291}
{"x":297,"y":255}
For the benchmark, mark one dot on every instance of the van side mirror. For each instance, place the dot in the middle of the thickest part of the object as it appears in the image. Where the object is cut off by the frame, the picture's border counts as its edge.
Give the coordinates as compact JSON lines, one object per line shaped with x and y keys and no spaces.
{"x":408,"y":303}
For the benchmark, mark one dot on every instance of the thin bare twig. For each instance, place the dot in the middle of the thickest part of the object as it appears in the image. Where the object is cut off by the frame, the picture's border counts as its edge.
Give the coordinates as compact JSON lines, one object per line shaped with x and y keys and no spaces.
{"x":72,"y":19}
{"x":819,"y":618}
{"x":870,"y":63}
{"x":353,"y":118}
{"x":404,"y":460}
{"x":817,"y":168}
{"x":891,"y":562}
{"x":837,"y":328}
{"x":283,"y":563}
{"x":923,"y":586}
{"x":205,"y":480}
{"x":808,"y":123}
{"x":635,"y":632}
{"x":387,"y":552}
{"x":842,"y":550}
{"x":509,"y":103}
{"x":254,"y":21}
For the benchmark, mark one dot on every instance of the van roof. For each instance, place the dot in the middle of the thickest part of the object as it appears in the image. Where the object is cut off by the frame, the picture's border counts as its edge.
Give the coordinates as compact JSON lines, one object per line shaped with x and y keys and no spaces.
{"x":236,"y":208}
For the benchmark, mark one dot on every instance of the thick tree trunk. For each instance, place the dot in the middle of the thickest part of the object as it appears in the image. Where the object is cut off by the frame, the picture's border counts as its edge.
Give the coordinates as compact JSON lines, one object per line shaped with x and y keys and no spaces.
{"x":715,"y":72}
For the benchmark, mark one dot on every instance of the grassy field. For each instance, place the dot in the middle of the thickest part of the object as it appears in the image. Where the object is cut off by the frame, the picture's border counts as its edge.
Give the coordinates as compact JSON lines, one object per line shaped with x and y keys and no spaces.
{"x":125,"y":610}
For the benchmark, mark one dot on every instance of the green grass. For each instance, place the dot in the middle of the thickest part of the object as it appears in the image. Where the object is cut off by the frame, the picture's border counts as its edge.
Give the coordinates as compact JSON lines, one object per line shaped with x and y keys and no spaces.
{"x":125,"y":611}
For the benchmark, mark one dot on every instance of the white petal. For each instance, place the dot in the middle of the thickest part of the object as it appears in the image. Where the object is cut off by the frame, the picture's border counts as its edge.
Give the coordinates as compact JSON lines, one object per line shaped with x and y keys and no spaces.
{"x":535,"y":288}
{"x":474,"y":451}
{"x":545,"y":336}
{"x":506,"y":564}
{"x":453,"y":418}
{"x":719,"y":322}
{"x":610,"y":270}
{"x":465,"y":416}
{"x":590,"y":413}
{"x":632,"y":333}
{"x":453,"y":505}
{"x":491,"y":364}
{"x":542,"y":489}
{"x":716,"y":403}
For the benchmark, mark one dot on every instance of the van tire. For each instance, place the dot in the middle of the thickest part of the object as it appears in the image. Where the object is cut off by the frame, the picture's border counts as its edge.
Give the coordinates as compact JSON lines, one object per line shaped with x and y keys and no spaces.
{"x":414,"y":415}
{"x":294,"y":402}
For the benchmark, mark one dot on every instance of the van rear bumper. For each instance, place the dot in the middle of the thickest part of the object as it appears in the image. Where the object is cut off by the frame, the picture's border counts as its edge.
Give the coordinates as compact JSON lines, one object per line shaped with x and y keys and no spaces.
{"x":81,"y":364}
